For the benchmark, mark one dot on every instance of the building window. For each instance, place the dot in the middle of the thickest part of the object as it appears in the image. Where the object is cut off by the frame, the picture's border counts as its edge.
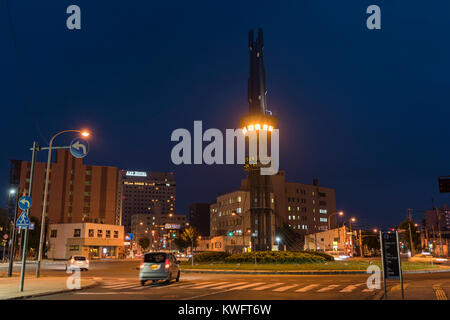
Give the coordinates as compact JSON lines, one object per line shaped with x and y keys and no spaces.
{"x":323,"y":219}
{"x":116,"y":234}
{"x":76,"y":233}
{"x":108,"y":233}
{"x":99,"y":233}
{"x":239,"y":210}
{"x":323,"y":210}
{"x":53,"y":233}
{"x":74,"y":248}
{"x":88,"y":172}
{"x":239,"y":199}
{"x":289,"y":208}
{"x":91,"y":232}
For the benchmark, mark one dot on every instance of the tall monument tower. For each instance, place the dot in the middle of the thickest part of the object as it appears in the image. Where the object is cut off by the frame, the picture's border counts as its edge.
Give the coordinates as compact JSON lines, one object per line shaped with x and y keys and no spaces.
{"x":258,"y":119}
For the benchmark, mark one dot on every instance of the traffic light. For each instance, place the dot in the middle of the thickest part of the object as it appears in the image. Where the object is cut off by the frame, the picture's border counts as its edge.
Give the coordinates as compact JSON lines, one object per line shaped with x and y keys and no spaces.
{"x":174,"y":234}
{"x":230,"y":234}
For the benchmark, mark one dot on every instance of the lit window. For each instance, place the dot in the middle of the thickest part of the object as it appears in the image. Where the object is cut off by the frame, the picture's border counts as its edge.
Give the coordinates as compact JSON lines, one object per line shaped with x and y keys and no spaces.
{"x":289,"y":208}
{"x":238,"y":210}
{"x":323,"y":219}
{"x":239,"y":199}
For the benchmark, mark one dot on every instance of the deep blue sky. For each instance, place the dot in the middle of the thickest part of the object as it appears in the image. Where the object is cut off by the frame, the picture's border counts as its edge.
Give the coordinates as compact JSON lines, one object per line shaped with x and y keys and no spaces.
{"x":364,"y":111}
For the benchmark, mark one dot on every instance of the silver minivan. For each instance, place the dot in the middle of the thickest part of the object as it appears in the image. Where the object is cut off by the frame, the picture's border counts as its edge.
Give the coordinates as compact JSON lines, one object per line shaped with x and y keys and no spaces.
{"x":159,"y":266}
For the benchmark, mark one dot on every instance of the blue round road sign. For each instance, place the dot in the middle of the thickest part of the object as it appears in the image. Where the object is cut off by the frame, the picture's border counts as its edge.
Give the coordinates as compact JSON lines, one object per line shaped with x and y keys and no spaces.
{"x":25,"y":203}
{"x":79,"y":148}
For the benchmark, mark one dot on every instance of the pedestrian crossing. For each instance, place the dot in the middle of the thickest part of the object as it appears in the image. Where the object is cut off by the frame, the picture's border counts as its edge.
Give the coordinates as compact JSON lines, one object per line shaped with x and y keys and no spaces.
{"x":129,"y":286}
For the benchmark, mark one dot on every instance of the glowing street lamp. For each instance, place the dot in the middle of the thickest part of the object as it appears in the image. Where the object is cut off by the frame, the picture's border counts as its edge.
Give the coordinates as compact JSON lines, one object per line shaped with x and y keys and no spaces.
{"x":84,"y":133}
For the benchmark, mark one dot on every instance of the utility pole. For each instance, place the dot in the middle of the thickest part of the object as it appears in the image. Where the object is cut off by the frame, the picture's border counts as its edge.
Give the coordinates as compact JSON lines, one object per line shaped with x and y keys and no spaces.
{"x":410,"y":233}
{"x":25,"y":242}
{"x":438,"y":216}
{"x":360,"y":244}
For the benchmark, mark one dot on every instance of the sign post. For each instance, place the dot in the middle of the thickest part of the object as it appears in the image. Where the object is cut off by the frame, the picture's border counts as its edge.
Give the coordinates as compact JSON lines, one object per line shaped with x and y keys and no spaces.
{"x":27,"y":203}
{"x":390,"y":256}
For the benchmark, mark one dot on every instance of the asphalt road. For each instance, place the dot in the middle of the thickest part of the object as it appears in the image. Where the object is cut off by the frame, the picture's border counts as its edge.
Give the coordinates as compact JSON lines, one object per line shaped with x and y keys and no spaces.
{"x":119,"y":280}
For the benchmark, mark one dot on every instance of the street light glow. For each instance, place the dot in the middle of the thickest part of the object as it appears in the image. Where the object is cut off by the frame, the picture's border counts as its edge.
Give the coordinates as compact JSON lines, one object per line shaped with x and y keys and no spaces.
{"x":353,"y":219}
{"x":85,"y":133}
{"x":341,"y":213}
{"x":12,"y":191}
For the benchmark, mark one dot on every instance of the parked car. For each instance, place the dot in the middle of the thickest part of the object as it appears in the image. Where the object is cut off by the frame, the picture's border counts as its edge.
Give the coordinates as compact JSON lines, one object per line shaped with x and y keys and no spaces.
{"x":159,"y":266}
{"x":77,"y":263}
{"x":427,"y":257}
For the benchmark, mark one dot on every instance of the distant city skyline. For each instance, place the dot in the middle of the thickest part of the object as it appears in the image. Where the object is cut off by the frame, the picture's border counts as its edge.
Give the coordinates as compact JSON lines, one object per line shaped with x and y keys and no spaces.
{"x":364,"y":111}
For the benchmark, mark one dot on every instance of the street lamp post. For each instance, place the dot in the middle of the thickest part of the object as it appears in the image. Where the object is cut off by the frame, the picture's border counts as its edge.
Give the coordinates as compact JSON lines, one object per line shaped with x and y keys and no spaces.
{"x":351,"y":235}
{"x":340,"y":213}
{"x":44,"y":206}
{"x":12,"y":246}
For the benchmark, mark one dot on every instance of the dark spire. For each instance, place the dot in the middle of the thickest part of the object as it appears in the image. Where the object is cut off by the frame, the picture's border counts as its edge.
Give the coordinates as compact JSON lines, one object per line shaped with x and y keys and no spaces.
{"x":257,"y":79}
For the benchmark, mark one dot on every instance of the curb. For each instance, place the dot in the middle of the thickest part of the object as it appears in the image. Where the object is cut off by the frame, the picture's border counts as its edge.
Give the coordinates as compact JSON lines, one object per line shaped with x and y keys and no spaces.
{"x":300,"y":272}
{"x":96,"y":283}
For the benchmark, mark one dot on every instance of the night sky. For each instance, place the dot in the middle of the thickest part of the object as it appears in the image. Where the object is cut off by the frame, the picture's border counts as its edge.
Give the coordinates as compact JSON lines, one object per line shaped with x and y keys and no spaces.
{"x":366,"y":112}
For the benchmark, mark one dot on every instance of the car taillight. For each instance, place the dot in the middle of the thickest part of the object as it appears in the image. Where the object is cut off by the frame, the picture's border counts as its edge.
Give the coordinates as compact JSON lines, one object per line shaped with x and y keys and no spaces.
{"x":141,"y":266}
{"x":167,"y":264}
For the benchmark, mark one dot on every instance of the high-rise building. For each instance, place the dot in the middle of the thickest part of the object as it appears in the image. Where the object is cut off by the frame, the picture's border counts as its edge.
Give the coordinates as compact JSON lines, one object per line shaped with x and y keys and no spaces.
{"x":199,"y":217}
{"x":76,"y":192}
{"x":158,"y":228}
{"x":302,"y":207}
{"x":142,"y":192}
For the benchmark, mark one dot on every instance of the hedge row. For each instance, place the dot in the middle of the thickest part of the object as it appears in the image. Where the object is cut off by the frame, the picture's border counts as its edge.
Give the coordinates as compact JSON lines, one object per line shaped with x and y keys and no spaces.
{"x":275,"y":257}
{"x":263,"y":257}
{"x":210,"y":256}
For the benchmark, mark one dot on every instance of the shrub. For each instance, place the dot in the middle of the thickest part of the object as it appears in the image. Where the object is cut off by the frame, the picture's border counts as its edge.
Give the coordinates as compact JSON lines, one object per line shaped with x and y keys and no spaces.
{"x":275,"y":257}
{"x":210,"y":256}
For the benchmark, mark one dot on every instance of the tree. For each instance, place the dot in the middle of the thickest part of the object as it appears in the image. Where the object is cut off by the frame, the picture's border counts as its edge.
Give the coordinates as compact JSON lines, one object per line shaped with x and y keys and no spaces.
{"x":144,"y":243}
{"x":404,"y":229}
{"x":190,"y":237}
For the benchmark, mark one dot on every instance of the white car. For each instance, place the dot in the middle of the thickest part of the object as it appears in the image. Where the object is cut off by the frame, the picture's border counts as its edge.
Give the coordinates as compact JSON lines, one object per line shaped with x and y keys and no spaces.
{"x":77,"y":263}
{"x":338,"y":256}
{"x":426,"y":257}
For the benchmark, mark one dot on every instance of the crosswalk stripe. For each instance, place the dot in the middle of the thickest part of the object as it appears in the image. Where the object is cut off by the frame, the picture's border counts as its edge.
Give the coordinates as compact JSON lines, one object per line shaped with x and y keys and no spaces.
{"x":368,"y":290}
{"x":192,"y":285}
{"x":307,"y":288}
{"x":330,"y":287}
{"x":281,"y":289}
{"x":209,"y":285}
{"x":229,"y":285}
{"x":267,"y":286}
{"x":245,"y":286}
{"x":351,"y":287}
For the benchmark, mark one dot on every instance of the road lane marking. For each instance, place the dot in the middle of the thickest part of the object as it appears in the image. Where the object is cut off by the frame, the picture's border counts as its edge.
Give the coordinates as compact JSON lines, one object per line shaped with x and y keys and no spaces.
{"x":120,"y":286}
{"x":439,"y":292}
{"x":192,"y":285}
{"x":307,"y":288}
{"x":281,"y":289}
{"x":208,"y":285}
{"x":368,"y":290}
{"x":230,"y":285}
{"x":245,"y":286}
{"x":351,"y":287}
{"x":267,"y":286}
{"x":330,"y":287}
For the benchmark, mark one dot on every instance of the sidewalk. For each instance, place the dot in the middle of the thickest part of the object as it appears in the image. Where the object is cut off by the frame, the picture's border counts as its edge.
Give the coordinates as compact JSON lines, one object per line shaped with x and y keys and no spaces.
{"x":9,"y":287}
